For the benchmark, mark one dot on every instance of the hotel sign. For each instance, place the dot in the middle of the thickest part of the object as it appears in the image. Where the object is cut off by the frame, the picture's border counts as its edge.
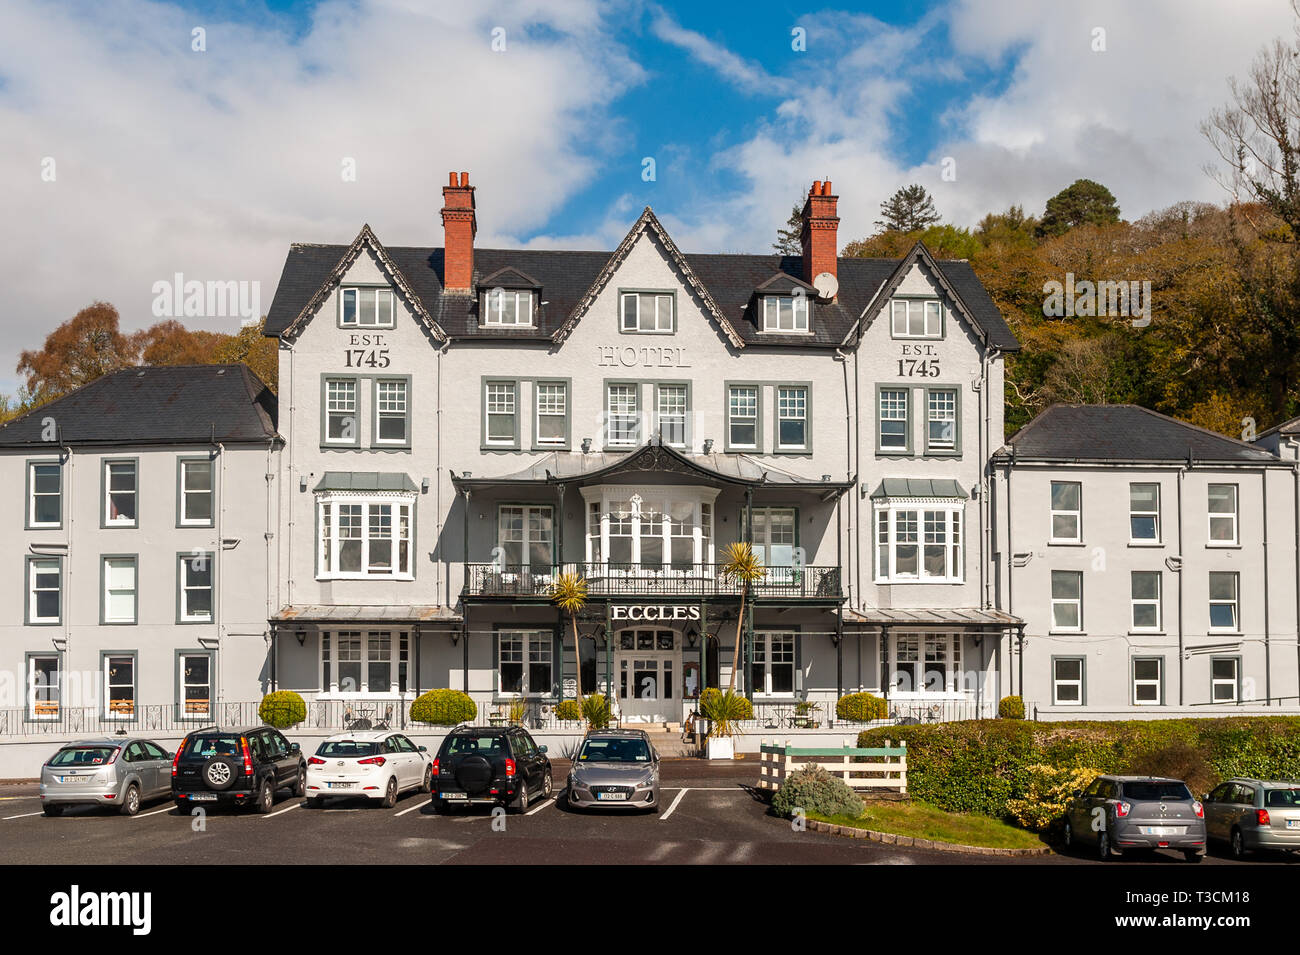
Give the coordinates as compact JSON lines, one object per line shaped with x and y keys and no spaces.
{"x":644,"y":356}
{"x":654,"y":612}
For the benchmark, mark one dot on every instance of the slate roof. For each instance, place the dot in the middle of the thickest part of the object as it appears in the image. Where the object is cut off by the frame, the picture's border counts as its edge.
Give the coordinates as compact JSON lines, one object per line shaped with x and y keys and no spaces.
{"x":177,"y":404}
{"x":1125,"y":433}
{"x":565,"y":277}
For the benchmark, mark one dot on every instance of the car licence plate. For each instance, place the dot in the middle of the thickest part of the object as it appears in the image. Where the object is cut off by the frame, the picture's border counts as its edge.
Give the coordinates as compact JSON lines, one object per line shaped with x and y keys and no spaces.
{"x":340,"y":785}
{"x":1293,"y":823}
{"x":73,"y":779}
{"x":1164,"y":830}
{"x":203,"y":797}
{"x":613,"y":796}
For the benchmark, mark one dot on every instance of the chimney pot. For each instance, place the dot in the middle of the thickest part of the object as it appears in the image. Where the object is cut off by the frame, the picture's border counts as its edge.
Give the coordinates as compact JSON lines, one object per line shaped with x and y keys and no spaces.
{"x":464,"y":179}
{"x":818,"y":236}
{"x":451,"y":179}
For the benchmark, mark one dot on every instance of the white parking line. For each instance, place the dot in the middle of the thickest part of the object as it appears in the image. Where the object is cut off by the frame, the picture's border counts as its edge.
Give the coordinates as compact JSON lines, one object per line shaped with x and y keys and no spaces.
{"x":541,"y":807}
{"x":412,"y":808}
{"x":681,"y":794}
{"x":156,"y":812}
{"x":24,"y":815}
{"x":271,"y":815}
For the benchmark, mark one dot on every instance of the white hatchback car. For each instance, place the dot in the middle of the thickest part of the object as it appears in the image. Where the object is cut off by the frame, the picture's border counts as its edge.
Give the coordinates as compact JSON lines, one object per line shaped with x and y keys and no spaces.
{"x":378,"y":764}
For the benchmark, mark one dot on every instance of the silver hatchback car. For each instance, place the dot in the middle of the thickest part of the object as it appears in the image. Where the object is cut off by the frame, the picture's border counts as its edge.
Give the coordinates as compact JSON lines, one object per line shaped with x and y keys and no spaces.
{"x":1254,"y":814}
{"x":615,"y":769}
{"x":117,"y":772}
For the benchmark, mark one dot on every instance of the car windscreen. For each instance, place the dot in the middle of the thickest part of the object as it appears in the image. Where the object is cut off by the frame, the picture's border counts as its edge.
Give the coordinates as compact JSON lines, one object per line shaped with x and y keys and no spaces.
{"x":614,"y":751}
{"x":347,"y":748}
{"x":1156,"y":790}
{"x":494,"y":745}
{"x":83,"y":756}
{"x":205,"y":747}
{"x":1282,"y":798}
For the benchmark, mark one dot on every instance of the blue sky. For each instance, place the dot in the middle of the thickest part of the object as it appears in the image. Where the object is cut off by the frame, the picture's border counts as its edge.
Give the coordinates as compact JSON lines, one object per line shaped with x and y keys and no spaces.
{"x":211,"y":162}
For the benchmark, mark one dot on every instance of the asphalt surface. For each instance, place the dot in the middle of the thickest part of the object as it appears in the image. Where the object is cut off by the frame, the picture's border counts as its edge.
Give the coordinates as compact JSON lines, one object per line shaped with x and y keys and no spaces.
{"x":709,"y":814}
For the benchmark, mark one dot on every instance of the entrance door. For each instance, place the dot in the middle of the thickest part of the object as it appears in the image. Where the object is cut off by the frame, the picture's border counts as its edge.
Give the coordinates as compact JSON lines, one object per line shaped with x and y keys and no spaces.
{"x":645,"y":667}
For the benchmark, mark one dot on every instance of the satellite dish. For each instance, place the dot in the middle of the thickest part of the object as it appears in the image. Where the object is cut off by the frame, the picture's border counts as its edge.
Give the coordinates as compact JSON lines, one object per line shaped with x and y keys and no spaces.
{"x":826,"y":285}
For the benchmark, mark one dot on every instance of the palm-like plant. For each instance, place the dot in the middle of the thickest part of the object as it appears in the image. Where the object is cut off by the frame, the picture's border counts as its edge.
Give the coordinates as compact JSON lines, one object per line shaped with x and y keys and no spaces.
{"x":742,"y":565}
{"x":569,"y":593}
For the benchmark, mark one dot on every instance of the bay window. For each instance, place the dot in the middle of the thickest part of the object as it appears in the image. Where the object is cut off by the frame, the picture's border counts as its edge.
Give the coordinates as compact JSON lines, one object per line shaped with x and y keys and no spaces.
{"x":656,"y":530}
{"x":360,"y":537}
{"x":361,"y":662}
{"x":919,"y":542}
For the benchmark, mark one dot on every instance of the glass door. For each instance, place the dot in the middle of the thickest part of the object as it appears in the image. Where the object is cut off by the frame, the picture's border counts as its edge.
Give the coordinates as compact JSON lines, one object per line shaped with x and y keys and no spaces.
{"x":645,"y":666}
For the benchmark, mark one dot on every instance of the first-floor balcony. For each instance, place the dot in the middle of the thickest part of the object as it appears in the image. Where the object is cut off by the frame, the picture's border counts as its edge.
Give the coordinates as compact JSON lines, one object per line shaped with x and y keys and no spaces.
{"x":802,"y":582}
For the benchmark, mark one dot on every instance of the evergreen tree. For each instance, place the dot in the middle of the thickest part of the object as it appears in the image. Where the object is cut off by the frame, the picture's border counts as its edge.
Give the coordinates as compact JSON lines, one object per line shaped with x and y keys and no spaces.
{"x":910,"y":209}
{"x":1081,"y":202}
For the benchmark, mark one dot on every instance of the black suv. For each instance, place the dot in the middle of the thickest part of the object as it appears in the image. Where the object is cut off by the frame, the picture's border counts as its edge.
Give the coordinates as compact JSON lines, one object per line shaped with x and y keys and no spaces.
{"x":490,"y":765}
{"x":241,"y":765}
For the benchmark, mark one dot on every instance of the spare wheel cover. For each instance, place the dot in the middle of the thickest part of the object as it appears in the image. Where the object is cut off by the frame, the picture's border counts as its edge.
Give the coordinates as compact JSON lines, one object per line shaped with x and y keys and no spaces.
{"x":474,"y":773}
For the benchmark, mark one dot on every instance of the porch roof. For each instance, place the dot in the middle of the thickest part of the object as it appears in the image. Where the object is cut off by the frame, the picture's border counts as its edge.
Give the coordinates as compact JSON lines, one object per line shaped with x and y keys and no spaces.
{"x":953,"y":616}
{"x":562,"y":467}
{"x":372,"y":613}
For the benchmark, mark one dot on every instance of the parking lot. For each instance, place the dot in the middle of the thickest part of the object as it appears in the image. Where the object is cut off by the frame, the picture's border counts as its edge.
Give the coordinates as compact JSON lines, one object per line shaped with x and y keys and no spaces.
{"x":709,"y":814}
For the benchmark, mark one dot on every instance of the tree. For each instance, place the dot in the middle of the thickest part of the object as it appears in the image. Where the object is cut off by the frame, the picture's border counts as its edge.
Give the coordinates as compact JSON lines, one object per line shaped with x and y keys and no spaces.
{"x":789,"y":240}
{"x":742,"y":565}
{"x":1083,"y":201}
{"x":87,"y":346}
{"x":910,"y":209}
{"x":250,"y":346}
{"x":171,"y":343}
{"x":569,"y":593}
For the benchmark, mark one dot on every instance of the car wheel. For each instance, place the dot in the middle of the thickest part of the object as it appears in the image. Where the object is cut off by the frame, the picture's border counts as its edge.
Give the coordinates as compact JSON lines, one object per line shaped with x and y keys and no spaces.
{"x":300,"y":787}
{"x":52,"y":810}
{"x":547,"y":786}
{"x":1067,"y":837}
{"x":390,"y":794}
{"x":1191,"y":855}
{"x":315,"y":802}
{"x":1238,"y":845}
{"x":521,"y":798}
{"x":438,"y":806}
{"x":427,"y":786}
{"x":130,"y":801}
{"x":265,"y":797}
{"x":1103,"y":846}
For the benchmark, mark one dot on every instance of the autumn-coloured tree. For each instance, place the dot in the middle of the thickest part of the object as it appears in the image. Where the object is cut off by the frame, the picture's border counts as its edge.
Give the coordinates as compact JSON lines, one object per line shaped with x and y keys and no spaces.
{"x":171,"y":343}
{"x":87,"y":346}
{"x":250,"y":346}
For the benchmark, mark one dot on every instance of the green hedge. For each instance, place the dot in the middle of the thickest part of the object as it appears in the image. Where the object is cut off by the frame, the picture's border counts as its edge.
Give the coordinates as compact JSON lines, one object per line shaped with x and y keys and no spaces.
{"x":979,"y":765}
{"x":861,"y":708}
{"x":443,"y":708}
{"x":282,"y":709}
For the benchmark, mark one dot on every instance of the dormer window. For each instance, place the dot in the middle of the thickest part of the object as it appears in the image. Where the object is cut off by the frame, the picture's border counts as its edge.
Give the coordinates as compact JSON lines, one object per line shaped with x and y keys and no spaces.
{"x":785,"y":313}
{"x":507,"y":307}
{"x":647,"y":312}
{"x":917,"y":318}
{"x":366,"y":308}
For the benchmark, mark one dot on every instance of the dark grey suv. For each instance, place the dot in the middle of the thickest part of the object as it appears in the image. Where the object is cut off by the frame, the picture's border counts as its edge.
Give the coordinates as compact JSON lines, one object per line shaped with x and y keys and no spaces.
{"x":1120,"y":813}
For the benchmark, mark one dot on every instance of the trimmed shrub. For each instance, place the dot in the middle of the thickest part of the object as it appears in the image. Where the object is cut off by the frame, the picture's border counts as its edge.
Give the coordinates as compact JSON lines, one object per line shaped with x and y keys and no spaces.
{"x":443,"y":708}
{"x":568,"y":710}
{"x":282,"y":709}
{"x":980,"y":765}
{"x":861,"y":708}
{"x":1011,"y":708}
{"x":595,"y":710}
{"x":815,"y":790}
{"x":1047,"y":789}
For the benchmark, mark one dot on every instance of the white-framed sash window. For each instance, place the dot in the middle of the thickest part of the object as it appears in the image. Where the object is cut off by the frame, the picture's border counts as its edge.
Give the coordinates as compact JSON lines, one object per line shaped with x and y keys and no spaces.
{"x":785,"y":313}
{"x":1225,"y":604}
{"x":916,"y":318}
{"x":920,"y":541}
{"x":44,"y":686}
{"x":1148,"y":681}
{"x":510,"y":307}
{"x":1066,"y":512}
{"x":45,"y":590}
{"x":1144,"y":513}
{"x":195,"y":591}
{"x":524,"y":663}
{"x":525,"y":534}
{"x":774,"y":663}
{"x":654,"y":530}
{"x":1067,"y":681}
{"x":1223,"y":515}
{"x":361,"y":536}
{"x":366,"y":308}
{"x":45,"y":505}
{"x":364,"y":662}
{"x":1145,"y":600}
{"x":920,"y":665}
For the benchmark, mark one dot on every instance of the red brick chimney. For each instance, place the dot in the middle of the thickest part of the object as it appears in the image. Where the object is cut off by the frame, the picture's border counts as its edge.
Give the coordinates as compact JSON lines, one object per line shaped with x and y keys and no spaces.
{"x":820,"y":225}
{"x":459,"y":226}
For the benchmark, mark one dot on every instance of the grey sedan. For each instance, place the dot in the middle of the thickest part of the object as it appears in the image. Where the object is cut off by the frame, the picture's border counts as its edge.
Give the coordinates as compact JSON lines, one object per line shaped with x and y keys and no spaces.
{"x":1121,"y":813}
{"x":1254,"y":814}
{"x":105,"y":772}
{"x":615,"y":769}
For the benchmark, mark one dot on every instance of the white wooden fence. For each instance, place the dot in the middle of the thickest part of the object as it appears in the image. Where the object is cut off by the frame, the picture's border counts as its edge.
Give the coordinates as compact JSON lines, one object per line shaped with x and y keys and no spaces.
{"x":872,"y":768}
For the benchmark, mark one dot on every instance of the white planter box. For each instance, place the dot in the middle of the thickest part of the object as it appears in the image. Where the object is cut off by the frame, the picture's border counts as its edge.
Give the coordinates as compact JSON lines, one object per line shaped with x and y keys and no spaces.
{"x":720,"y":747}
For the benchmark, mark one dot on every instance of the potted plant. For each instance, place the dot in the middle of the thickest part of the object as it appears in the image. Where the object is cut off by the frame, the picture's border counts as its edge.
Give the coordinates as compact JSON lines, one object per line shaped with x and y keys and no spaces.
{"x":805,"y":714}
{"x":724,"y":710}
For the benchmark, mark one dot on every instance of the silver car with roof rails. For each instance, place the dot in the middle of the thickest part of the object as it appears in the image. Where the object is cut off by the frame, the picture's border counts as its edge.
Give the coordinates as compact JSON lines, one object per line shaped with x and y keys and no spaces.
{"x":110,"y":771}
{"x":615,"y":769}
{"x":1251,"y":814}
{"x":1119,"y":814}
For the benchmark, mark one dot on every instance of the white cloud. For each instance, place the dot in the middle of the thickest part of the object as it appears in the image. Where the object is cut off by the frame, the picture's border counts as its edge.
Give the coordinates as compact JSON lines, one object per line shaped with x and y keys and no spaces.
{"x":209,"y":163}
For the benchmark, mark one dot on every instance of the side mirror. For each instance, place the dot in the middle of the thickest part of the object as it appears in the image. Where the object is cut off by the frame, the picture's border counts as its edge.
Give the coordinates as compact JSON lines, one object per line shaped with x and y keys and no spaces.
{"x":542,"y":748}
{"x":424,"y":749}
{"x":171,"y":755}
{"x":1076,"y":794}
{"x":295,"y":748}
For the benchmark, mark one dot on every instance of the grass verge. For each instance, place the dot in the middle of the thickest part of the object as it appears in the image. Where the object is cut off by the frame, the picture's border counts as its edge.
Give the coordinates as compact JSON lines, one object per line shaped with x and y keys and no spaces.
{"x":921,"y":821}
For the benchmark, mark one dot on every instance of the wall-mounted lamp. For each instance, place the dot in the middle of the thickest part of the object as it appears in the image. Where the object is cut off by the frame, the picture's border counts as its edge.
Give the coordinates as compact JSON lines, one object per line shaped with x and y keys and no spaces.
{"x":692,"y":635}
{"x":455,"y":637}
{"x":708,"y":446}
{"x":586,"y":445}
{"x":466,"y":474}
{"x":302,"y":637}
{"x":424,"y":485}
